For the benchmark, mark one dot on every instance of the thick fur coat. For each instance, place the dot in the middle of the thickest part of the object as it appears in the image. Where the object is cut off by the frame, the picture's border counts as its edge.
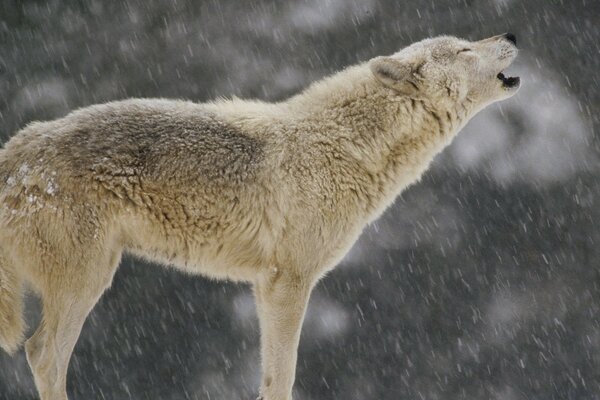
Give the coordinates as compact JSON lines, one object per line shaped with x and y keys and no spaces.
{"x":269,"y":193}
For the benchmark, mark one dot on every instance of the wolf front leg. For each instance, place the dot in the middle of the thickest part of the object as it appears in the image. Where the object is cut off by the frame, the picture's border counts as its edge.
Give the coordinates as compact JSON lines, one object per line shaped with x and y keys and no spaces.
{"x":281,"y":300}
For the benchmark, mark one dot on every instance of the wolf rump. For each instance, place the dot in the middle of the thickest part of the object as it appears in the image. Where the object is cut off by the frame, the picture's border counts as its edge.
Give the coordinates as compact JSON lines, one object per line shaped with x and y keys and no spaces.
{"x":273,"y":194}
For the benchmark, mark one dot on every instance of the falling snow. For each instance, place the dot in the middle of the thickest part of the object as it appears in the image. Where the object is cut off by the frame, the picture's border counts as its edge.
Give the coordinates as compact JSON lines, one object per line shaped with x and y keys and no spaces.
{"x":481,"y":282}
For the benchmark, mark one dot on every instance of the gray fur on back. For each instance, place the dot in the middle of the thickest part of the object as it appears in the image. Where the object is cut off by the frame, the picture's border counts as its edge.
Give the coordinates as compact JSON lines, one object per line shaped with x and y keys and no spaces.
{"x":156,"y":141}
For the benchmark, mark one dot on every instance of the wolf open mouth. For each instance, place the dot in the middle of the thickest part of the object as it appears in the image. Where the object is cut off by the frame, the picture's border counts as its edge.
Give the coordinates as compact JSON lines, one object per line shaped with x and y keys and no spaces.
{"x":510,"y":82}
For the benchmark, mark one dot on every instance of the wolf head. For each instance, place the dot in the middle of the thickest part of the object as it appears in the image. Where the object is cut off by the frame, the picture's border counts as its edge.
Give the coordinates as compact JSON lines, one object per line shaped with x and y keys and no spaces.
{"x":447,"y":70}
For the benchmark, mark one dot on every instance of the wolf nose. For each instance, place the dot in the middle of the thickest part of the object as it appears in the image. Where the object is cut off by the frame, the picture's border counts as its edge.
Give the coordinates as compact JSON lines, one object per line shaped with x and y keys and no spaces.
{"x":511,"y":38}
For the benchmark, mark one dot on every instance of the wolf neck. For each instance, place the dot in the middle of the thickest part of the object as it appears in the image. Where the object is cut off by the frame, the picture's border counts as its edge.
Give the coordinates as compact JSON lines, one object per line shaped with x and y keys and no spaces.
{"x":388,"y":140}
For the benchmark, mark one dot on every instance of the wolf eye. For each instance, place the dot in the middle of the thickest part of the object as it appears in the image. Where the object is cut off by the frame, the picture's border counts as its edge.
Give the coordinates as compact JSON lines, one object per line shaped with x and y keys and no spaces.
{"x":463,"y":50}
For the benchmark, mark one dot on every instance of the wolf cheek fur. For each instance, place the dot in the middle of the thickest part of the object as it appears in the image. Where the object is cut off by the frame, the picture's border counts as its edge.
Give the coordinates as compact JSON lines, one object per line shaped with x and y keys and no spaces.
{"x":269,"y":193}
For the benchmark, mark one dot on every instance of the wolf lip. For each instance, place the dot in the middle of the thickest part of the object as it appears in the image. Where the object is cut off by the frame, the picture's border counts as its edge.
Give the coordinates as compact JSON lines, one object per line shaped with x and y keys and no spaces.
{"x":510,"y":82}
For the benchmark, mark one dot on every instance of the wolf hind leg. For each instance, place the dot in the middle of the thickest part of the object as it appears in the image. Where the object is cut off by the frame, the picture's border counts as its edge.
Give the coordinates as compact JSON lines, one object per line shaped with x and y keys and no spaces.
{"x":12,"y":325}
{"x":65,"y":309}
{"x":50,"y":347}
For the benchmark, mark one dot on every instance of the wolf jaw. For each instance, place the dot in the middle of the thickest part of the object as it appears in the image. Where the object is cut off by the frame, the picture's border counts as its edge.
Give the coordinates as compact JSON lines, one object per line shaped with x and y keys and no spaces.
{"x":510,"y":82}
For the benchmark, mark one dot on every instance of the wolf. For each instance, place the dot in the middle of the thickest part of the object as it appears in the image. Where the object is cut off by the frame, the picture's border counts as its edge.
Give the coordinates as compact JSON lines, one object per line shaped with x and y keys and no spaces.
{"x":273,"y":194}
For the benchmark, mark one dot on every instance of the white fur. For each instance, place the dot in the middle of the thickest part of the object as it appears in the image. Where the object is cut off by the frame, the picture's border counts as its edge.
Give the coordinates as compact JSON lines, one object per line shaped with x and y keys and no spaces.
{"x":272,"y":194}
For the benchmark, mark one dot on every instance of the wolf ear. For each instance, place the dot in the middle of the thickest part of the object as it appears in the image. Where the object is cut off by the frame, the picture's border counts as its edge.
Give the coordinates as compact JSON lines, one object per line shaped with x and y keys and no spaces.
{"x":396,"y":74}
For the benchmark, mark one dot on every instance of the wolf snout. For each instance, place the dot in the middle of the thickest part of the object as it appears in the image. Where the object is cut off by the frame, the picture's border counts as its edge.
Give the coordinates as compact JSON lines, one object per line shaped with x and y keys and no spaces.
{"x":511,"y":38}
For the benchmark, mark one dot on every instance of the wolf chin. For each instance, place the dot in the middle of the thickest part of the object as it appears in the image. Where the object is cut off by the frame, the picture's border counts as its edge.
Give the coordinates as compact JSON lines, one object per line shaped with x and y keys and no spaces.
{"x":268,"y":193}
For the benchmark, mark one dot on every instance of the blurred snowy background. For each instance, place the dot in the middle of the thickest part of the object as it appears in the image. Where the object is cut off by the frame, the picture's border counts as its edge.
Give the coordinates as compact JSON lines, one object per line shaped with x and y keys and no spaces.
{"x":481,"y":282}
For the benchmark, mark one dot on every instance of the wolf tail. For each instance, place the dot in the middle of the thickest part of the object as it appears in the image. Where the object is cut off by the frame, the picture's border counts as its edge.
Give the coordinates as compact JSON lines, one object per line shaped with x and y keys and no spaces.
{"x":12,"y":325}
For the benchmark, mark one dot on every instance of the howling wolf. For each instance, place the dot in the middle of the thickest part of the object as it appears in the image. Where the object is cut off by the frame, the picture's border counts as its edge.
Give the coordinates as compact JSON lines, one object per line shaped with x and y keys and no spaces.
{"x":269,"y":193}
